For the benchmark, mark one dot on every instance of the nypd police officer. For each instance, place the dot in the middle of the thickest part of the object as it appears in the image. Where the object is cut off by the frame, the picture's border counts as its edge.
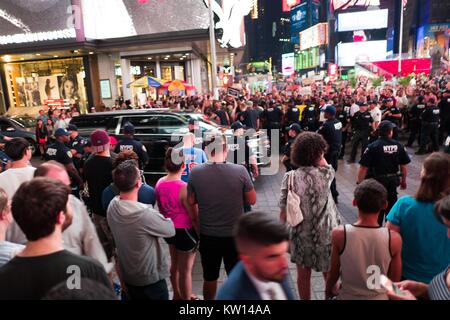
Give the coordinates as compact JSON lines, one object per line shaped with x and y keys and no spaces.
{"x":310,"y":119}
{"x":343,"y":117}
{"x":273,"y":116}
{"x":292,"y":114}
{"x":414,"y":120}
{"x":394,"y":115}
{"x":331,"y":130}
{"x":429,"y":127}
{"x":129,"y":143}
{"x":76,"y":145}
{"x":58,"y":151}
{"x":382,"y":161}
{"x":293,"y":131}
{"x":361,"y":126}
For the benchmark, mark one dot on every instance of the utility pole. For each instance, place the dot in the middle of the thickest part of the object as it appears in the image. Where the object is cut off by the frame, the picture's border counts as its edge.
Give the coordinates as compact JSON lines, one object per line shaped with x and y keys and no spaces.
{"x":212,"y":39}
{"x":400,"y":40}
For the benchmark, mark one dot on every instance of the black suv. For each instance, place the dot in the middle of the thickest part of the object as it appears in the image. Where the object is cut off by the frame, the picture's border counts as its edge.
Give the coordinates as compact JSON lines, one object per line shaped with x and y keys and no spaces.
{"x":19,"y":127}
{"x":157,"y":129}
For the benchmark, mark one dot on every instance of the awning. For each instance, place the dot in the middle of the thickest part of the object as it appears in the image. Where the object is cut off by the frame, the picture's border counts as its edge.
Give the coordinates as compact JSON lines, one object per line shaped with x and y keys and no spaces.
{"x":146,"y":82}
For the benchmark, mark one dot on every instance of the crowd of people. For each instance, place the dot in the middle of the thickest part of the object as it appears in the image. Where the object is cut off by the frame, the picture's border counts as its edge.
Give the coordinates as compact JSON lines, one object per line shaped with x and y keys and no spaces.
{"x":88,"y":212}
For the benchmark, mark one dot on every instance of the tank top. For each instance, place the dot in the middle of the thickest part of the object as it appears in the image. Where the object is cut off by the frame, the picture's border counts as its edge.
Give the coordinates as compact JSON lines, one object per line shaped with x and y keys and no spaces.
{"x":364,"y":247}
{"x":169,"y":204}
{"x":438,"y":289}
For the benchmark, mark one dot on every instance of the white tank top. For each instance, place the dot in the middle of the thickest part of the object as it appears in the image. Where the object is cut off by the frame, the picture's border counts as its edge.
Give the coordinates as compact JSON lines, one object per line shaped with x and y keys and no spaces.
{"x":363,"y":247}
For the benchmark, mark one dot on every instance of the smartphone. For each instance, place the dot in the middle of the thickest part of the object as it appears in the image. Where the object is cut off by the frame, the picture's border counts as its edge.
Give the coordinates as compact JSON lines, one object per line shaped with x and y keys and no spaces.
{"x":387,"y":284}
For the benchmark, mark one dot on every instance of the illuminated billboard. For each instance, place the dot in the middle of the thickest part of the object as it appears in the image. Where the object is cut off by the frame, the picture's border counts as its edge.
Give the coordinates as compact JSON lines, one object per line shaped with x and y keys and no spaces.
{"x":299,"y":21}
{"x":24,"y":21}
{"x":314,"y":37}
{"x":289,"y":4}
{"x":288,"y":64}
{"x":362,"y":20}
{"x":350,"y":53}
{"x":126,"y":18}
{"x":345,"y":4}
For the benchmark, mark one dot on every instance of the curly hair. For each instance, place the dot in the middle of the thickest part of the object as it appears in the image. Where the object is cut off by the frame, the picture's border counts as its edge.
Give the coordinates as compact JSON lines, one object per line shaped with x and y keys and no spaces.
{"x":307,"y":149}
{"x":124,"y":156}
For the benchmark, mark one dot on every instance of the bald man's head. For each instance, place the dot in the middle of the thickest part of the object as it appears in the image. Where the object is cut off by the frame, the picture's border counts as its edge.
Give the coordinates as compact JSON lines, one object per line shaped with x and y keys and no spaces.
{"x":189,"y":140}
{"x":53,"y":170}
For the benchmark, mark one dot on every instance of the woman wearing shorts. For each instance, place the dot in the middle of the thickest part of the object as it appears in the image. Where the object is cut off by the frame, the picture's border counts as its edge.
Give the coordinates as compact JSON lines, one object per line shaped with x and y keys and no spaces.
{"x":171,"y":197}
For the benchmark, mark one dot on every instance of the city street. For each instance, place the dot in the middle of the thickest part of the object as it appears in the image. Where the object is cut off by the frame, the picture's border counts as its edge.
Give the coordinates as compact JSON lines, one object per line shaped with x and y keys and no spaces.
{"x":162,"y":113}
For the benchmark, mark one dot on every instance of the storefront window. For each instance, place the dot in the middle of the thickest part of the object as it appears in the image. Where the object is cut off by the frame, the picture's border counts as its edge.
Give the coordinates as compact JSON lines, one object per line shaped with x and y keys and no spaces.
{"x":166,"y":73}
{"x":58,"y":83}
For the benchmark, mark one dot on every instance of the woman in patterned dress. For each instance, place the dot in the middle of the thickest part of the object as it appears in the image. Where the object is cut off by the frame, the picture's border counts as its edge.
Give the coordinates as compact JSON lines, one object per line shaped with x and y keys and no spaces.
{"x":311,"y":240}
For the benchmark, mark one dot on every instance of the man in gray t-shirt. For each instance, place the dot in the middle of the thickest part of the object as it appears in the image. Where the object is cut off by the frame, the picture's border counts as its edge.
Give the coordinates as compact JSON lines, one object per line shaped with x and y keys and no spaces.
{"x":220,"y":190}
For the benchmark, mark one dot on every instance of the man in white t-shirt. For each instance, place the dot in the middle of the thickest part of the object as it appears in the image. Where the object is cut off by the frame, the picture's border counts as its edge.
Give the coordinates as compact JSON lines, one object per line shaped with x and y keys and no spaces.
{"x":375,"y":112}
{"x":354,"y":109}
{"x":18,"y":149}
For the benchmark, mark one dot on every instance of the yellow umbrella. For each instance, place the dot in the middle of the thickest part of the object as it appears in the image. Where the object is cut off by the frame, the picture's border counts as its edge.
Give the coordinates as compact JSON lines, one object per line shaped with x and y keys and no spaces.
{"x":176,"y":84}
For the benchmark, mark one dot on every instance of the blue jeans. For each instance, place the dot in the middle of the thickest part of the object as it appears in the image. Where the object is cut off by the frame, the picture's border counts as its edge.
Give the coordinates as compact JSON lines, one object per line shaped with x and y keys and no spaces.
{"x":154,"y":291}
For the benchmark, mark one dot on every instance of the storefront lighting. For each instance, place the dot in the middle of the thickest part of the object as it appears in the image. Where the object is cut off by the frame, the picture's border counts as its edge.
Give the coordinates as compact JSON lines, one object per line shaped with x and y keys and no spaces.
{"x":91,"y":52}
{"x":76,"y":51}
{"x":38,"y":54}
{"x":7,"y":58}
{"x":55,"y":56}
{"x":166,"y":58}
{"x":149,"y":58}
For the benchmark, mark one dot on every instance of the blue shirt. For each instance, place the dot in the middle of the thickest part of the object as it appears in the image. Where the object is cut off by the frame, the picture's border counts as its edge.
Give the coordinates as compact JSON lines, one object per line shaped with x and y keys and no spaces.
{"x":426,"y":247}
{"x":193,"y":156}
{"x":146,"y":195}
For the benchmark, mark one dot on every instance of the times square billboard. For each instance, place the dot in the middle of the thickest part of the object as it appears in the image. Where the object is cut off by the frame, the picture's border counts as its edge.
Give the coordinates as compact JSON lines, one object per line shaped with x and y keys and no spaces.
{"x":23,"y":21}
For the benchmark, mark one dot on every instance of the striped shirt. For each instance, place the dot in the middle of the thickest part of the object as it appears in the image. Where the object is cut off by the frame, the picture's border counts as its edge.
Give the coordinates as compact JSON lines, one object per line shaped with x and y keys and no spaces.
{"x":438,"y":288}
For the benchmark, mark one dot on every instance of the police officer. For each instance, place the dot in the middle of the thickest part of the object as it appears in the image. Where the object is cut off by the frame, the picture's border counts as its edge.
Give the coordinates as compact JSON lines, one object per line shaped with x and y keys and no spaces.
{"x":76,"y":146}
{"x":273,"y":117}
{"x":240,"y":153}
{"x":414,"y":120}
{"x":343,"y":117}
{"x":382,"y":161}
{"x":430,"y":127}
{"x":58,"y":151}
{"x":292,"y":114}
{"x":293,"y":131}
{"x":129,"y":143}
{"x":394,"y":115}
{"x":331,"y":130}
{"x":361,"y":126}
{"x":310,"y":121}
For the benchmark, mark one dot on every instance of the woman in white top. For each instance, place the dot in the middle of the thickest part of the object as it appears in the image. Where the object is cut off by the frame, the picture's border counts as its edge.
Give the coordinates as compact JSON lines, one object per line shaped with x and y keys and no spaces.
{"x":364,"y":251}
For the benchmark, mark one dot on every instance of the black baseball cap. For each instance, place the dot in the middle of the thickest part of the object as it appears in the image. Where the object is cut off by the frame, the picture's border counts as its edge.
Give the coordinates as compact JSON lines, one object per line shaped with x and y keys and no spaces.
{"x":296,"y":127}
{"x":386,"y":126}
{"x":128,"y":128}
{"x":362,"y":104}
{"x":61,"y":132}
